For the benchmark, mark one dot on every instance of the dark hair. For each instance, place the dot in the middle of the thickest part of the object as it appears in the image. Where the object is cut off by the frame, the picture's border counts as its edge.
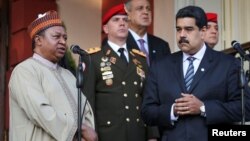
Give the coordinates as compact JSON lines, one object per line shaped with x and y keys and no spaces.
{"x":193,"y":12}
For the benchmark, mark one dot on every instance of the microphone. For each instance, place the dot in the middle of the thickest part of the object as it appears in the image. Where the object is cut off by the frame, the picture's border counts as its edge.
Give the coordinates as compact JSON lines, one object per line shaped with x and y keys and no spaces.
{"x":236,"y":45}
{"x":77,"y":50}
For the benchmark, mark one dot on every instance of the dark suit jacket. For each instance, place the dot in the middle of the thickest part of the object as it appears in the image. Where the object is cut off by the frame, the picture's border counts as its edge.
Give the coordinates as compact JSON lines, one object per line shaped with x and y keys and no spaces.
{"x":157,"y":47}
{"x":116,"y":101}
{"x":215,"y":83}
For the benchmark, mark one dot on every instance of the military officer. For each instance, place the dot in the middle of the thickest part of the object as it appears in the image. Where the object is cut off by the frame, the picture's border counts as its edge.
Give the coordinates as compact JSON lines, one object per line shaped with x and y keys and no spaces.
{"x":212,"y":33}
{"x":114,"y":81}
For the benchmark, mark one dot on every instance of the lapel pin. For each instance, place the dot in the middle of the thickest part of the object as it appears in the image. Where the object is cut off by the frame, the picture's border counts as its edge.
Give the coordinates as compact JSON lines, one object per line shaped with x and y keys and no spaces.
{"x":202,"y":69}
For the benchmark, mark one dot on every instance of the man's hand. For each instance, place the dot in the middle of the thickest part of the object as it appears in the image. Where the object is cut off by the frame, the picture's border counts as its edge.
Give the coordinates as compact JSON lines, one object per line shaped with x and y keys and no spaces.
{"x":188,"y":104}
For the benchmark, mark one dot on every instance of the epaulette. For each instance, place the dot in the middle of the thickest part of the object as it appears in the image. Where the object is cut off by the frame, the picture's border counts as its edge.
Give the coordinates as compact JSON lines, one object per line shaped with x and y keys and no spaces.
{"x":93,"y":50}
{"x":139,"y":52}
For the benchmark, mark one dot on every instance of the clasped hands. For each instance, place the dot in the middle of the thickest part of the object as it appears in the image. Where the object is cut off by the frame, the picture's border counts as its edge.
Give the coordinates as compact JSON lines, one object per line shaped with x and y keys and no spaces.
{"x":188,"y":104}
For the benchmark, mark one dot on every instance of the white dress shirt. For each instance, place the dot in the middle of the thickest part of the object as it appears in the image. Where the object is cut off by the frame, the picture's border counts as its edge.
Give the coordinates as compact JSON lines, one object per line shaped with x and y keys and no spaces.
{"x":115,"y":47}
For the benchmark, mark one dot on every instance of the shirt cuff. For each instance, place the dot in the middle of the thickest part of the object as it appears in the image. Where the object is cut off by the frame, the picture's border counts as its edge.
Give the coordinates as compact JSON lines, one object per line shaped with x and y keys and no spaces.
{"x":172,"y":116}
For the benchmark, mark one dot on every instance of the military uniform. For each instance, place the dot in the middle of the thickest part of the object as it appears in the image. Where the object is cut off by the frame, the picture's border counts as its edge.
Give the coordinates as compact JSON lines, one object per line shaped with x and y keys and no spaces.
{"x":114,"y":90}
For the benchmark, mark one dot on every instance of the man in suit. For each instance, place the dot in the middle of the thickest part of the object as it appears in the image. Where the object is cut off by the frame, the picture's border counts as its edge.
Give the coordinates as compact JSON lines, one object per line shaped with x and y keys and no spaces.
{"x":140,"y":18}
{"x":212,"y":33}
{"x":114,"y":82}
{"x":194,"y":87}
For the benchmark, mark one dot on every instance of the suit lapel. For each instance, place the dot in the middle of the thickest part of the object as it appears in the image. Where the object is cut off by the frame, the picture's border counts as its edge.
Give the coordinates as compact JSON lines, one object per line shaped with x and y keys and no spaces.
{"x":178,"y":64}
{"x":131,"y":43}
{"x":131,"y":66}
{"x":203,"y":68}
{"x":151,"y":50}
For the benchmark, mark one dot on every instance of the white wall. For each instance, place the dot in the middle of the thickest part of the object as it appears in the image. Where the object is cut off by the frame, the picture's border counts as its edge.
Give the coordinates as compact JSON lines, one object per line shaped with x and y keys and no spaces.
{"x":214,"y":6}
{"x":164,"y":23}
{"x":83,"y":21}
{"x":164,"y":18}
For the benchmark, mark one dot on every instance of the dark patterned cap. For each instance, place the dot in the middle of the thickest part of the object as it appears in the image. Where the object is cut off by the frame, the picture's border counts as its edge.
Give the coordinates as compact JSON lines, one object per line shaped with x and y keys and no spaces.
{"x":44,"y":21}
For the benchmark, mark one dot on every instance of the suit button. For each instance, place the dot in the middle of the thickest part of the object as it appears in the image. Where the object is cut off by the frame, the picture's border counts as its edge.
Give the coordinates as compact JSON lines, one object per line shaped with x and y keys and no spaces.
{"x":135,"y":82}
{"x":127,"y":107}
{"x":137,"y":107}
{"x":108,"y":122}
{"x":125,"y":95}
{"x":123,"y":83}
{"x":136,"y":95}
{"x":137,"y":119}
{"x":127,"y":119}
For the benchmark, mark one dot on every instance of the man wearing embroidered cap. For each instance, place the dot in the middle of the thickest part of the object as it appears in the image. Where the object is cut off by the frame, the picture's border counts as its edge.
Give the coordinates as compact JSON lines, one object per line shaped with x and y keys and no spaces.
{"x":212,"y":33}
{"x":43,"y":97}
{"x":114,"y":82}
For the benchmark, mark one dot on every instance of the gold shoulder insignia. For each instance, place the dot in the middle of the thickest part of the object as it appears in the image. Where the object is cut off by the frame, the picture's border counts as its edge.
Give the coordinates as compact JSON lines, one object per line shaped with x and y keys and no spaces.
{"x":139,"y":52}
{"x":93,"y":50}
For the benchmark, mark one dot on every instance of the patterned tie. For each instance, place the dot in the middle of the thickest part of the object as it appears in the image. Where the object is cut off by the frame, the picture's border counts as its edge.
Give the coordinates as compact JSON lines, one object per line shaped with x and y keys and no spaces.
{"x":143,"y":49}
{"x":122,"y":56}
{"x":190,"y":73}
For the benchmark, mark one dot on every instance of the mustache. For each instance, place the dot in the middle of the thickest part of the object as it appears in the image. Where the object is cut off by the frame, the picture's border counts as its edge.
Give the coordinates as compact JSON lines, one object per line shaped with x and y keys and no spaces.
{"x":183,"y":40}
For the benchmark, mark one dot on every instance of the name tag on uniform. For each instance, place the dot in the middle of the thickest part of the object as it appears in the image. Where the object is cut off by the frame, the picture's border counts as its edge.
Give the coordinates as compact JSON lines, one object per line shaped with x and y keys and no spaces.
{"x":107,"y":76}
{"x":106,"y":69}
{"x":107,"y":73}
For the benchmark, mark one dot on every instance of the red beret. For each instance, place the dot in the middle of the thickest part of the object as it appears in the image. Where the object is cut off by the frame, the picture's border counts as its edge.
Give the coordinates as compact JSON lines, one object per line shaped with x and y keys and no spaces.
{"x":44,"y":21}
{"x":212,"y":17}
{"x":116,"y":10}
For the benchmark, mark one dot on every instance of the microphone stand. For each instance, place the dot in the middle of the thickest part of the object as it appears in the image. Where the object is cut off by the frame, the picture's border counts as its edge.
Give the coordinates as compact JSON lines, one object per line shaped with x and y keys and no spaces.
{"x":248,"y":72}
{"x":242,"y":86}
{"x":79,"y":84}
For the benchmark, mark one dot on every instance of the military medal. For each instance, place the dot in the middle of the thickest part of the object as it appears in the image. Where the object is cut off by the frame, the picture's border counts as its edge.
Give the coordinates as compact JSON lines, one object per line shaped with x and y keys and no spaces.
{"x":102,"y":64}
{"x":108,"y":64}
{"x":104,"y":59}
{"x":140,"y":72}
{"x":135,"y":61}
{"x":109,"y":82}
{"x":113,"y":60}
{"x":109,"y":76}
{"x":132,"y":53}
{"x":108,"y":52}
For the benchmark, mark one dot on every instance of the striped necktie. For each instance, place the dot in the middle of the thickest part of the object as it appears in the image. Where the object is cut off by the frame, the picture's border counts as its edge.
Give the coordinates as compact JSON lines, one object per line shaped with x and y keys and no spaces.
{"x":190,"y":73}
